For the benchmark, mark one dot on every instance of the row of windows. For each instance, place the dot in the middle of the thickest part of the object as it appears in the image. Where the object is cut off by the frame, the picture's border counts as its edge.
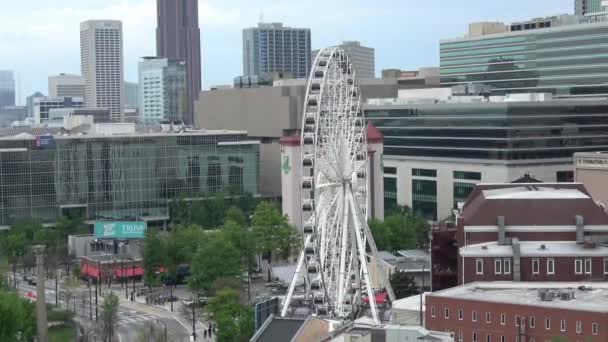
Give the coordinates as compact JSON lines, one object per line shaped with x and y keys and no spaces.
{"x":518,"y":321}
{"x":503,"y":266}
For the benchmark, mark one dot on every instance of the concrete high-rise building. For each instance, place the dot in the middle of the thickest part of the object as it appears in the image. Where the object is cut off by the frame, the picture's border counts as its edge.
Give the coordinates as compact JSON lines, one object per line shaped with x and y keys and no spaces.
{"x":131,"y":95}
{"x":7,"y":88}
{"x":590,"y":7}
{"x":163,"y":90}
{"x":274,"y":48}
{"x":66,"y":85}
{"x":178,"y":37}
{"x":362,"y":58}
{"x":101,"y":55}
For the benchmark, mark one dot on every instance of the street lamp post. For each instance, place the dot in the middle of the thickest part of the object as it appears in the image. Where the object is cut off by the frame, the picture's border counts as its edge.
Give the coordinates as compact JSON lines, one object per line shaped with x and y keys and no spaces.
{"x":193,"y":316}
{"x":133,"y":271}
{"x":91,"y":300}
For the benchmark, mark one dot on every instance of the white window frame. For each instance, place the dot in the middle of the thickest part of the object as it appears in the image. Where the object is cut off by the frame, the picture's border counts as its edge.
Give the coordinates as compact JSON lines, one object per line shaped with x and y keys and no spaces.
{"x":532,"y":339}
{"x":432,"y":311}
{"x":460,"y":314}
{"x":488,"y":338}
{"x":446,"y":313}
{"x":536,"y":262}
{"x":488,"y":317}
{"x":579,"y":327}
{"x":589,"y":263}
{"x":474,"y":337}
{"x":497,"y":266}
{"x":550,"y":266}
{"x":594,"y":328}
{"x":517,"y":320}
{"x":548,"y":323}
{"x":532,"y":322}
{"x":503,"y":319}
{"x":505,"y":269}
{"x":479,"y":266}
{"x":460,"y":335}
{"x":474,"y":316}
{"x":605,"y":265}
{"x":562,"y":325}
{"x":502,"y":338}
{"x":578,"y":266}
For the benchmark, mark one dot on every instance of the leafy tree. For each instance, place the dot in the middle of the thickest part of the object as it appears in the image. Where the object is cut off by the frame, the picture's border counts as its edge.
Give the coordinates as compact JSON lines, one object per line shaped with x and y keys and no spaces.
{"x":154,"y":254}
{"x":216,"y":258}
{"x":400,"y":230}
{"x":236,"y":215}
{"x":17,"y":317}
{"x":271,"y":231}
{"x":403,"y":285}
{"x":234,"y":322}
{"x":14,"y":246}
{"x":109,"y":310}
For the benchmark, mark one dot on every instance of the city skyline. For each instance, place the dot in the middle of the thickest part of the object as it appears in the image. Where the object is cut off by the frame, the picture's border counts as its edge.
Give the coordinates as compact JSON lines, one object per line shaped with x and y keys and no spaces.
{"x":53,"y":32}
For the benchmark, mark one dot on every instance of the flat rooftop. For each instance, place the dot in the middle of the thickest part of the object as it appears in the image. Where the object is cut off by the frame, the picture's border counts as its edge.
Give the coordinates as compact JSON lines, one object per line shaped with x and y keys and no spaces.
{"x":534,"y":249}
{"x":536,"y":191}
{"x":594,"y":297}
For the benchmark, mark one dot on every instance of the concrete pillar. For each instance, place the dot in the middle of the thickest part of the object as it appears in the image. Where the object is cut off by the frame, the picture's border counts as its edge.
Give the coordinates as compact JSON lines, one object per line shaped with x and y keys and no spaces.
{"x":43,"y":333}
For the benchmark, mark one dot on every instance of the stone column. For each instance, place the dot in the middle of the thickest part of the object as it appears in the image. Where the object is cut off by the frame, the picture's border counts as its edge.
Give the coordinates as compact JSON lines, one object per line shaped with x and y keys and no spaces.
{"x":40,"y":295}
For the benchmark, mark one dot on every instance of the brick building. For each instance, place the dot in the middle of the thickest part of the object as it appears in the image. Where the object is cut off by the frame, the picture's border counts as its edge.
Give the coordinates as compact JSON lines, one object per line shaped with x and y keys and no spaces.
{"x":520,"y":311}
{"x":529,"y":232}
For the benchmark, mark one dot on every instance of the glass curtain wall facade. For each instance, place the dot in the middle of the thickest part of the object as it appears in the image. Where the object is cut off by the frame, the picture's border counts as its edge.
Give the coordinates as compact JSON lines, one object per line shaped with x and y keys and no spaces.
{"x":567,"y":61}
{"x":120,"y":177}
{"x":495,"y":131}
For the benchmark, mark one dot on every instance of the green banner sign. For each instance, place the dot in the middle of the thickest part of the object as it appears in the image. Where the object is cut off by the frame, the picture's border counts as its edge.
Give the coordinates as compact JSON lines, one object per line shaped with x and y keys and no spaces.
{"x":120,"y":229}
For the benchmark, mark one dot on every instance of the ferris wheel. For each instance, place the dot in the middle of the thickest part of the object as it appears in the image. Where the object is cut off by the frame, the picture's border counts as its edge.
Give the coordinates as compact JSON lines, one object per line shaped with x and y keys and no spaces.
{"x":333,"y":265}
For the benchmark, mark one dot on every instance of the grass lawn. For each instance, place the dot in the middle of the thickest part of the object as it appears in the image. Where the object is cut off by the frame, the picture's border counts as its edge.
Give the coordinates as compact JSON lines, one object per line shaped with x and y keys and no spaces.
{"x":63,"y":333}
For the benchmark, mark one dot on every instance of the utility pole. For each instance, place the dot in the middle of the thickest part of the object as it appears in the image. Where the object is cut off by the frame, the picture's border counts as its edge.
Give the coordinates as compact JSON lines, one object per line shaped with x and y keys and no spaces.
{"x":42,"y":323}
{"x":171,"y":294}
{"x":133,"y":271}
{"x":90,"y":300}
{"x":98,"y":277}
{"x":195,"y":300}
{"x":422,"y":297}
{"x":56,"y":291}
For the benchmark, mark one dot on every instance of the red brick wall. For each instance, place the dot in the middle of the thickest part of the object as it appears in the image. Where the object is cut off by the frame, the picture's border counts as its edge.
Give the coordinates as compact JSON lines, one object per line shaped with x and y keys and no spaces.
{"x":495,"y":329}
{"x":564,"y":270}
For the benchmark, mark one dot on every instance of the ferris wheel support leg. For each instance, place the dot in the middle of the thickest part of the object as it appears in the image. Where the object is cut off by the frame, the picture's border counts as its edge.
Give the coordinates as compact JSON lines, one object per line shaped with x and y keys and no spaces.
{"x":292,"y":286}
{"x":343,"y":247}
{"x":362,"y":259}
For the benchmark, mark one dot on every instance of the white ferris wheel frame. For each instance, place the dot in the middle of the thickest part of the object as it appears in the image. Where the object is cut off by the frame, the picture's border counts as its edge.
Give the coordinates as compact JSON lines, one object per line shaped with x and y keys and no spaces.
{"x":334,"y":194}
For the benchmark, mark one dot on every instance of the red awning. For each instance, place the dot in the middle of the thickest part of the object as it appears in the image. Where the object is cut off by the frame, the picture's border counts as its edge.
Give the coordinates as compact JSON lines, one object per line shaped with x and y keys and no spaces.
{"x":381,"y":298}
{"x":129,"y":271}
{"x":89,"y":270}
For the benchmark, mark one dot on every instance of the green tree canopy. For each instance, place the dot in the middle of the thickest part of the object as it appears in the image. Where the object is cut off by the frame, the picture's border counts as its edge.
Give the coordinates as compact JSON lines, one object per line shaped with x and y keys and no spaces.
{"x":17,"y":316}
{"x":400,"y":230}
{"x":154,"y":253}
{"x":234,"y":322}
{"x":216,"y":258}
{"x":403,"y":285}
{"x":109,"y":312}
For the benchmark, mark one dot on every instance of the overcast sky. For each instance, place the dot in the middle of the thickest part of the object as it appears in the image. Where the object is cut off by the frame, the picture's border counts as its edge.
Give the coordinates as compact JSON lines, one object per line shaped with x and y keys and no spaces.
{"x":41,"y":37}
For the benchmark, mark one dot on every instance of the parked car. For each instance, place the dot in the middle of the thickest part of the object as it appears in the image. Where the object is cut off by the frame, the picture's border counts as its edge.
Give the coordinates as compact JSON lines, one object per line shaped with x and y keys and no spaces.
{"x":30,"y":280}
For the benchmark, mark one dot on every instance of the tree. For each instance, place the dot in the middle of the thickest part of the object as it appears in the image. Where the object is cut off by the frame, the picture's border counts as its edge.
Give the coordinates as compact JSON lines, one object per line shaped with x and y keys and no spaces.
{"x":271,"y":231}
{"x":150,"y":332}
{"x":14,"y":246}
{"x":108,"y":316}
{"x":17,"y":317}
{"x":217,"y":258}
{"x":235,"y":215}
{"x":403,"y":285}
{"x":400,"y":230}
{"x":234,"y":322}
{"x":154,"y":255}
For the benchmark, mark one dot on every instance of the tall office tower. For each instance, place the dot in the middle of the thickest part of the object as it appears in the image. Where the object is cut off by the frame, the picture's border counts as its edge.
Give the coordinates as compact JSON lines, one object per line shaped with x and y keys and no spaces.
{"x":178,"y":37}
{"x":590,"y":7}
{"x":552,"y":56}
{"x":101,"y":58}
{"x":66,"y":85}
{"x":362,"y":58}
{"x":7,"y":88}
{"x":272,"y":47}
{"x":131,"y":95}
{"x":163,"y":90}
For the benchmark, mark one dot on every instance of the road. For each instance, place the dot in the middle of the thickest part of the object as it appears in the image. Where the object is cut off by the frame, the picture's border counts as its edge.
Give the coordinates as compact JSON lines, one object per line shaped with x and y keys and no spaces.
{"x":131,"y":316}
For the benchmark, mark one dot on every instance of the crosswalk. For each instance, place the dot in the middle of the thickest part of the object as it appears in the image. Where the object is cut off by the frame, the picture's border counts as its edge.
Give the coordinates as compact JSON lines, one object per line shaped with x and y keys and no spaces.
{"x":133,"y":317}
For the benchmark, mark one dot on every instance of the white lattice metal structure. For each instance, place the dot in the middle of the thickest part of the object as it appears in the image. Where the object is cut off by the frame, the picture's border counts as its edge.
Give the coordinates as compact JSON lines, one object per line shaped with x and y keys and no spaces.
{"x":332,"y":265}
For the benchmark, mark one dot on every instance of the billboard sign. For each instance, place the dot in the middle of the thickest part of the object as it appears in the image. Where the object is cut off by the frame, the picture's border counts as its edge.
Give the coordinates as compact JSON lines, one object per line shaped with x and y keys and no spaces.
{"x":120,"y":229}
{"x":44,"y":141}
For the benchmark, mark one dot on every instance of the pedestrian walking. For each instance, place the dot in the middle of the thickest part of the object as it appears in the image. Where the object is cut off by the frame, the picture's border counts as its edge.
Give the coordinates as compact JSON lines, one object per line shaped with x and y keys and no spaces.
{"x":205,"y":333}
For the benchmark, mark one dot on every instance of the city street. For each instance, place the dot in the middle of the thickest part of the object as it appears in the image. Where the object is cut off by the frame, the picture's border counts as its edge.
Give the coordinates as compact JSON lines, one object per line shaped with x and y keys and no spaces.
{"x":131,"y":316}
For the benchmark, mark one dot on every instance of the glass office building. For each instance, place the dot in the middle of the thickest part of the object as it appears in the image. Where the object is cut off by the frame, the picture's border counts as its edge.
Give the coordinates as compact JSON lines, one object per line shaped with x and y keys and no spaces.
{"x":121,"y":176}
{"x":493,"y":130}
{"x":567,"y":61}
{"x":434,"y":154}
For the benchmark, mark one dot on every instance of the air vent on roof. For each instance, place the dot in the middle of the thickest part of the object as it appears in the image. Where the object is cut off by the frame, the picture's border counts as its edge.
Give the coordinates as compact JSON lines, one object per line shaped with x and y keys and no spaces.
{"x":546,"y":295}
{"x":566,"y":295}
{"x":543,"y":247}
